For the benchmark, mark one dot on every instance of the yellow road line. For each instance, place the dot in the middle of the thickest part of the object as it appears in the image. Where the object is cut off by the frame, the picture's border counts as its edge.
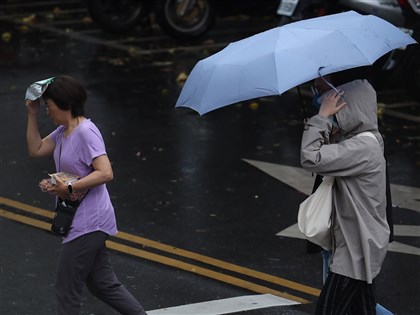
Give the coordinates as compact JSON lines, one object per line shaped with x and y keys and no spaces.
{"x":219,"y":263}
{"x":26,"y":207}
{"x":23,"y":219}
{"x":184,"y":253}
{"x":165,"y":260}
{"x":203,"y":271}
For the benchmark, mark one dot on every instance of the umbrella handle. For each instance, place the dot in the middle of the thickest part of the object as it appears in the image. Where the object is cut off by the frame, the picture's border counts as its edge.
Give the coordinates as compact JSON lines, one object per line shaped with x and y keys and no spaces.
{"x":326,"y":82}
{"x":329,"y":84}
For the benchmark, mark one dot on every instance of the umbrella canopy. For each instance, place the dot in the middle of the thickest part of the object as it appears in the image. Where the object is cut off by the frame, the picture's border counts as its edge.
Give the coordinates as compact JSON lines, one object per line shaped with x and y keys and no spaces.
{"x":274,"y":61}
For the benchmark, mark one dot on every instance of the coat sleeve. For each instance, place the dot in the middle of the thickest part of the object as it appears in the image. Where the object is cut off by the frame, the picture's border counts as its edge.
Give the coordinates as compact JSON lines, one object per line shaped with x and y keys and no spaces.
{"x":350,"y":157}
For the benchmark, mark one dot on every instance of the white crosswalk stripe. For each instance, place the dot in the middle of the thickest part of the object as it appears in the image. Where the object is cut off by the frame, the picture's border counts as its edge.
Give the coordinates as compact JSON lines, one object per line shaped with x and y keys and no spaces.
{"x":296,"y":177}
{"x":402,"y":196}
{"x":226,"y":306}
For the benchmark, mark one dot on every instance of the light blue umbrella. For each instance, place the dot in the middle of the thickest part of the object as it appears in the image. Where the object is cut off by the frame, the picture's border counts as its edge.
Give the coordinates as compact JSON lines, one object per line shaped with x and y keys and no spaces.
{"x":274,"y":61}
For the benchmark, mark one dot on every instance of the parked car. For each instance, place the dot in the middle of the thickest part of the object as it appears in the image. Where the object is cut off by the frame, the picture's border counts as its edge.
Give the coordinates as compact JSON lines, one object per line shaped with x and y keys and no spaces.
{"x":178,"y":18}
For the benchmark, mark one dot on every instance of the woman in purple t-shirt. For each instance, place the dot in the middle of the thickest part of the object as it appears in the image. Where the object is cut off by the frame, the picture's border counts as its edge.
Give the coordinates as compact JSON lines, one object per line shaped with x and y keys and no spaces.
{"x":78,"y":148}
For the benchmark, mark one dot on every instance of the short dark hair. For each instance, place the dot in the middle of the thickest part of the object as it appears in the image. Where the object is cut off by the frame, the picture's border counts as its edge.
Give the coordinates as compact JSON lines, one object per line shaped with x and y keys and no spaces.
{"x":68,"y":94}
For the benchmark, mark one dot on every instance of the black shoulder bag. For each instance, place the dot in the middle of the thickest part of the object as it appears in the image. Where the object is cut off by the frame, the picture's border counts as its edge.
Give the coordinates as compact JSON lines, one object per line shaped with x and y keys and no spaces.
{"x":65,"y":211}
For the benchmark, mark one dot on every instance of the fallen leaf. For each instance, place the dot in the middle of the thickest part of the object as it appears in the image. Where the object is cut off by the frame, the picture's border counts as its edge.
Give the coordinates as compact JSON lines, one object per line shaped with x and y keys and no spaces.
{"x":6,"y":37}
{"x":23,"y":28}
{"x":50,"y":17}
{"x":208,"y":41}
{"x":253,"y":106}
{"x":133,"y":51}
{"x":116,"y":61}
{"x":57,"y":11}
{"x":30,"y":19}
{"x":182,"y":77}
{"x":87,"y":20}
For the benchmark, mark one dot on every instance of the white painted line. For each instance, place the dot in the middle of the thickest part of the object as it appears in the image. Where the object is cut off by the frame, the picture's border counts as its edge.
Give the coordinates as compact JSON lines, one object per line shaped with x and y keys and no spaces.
{"x":406,"y":197}
{"x":397,"y":247}
{"x":292,"y":231}
{"x":407,"y":230}
{"x":403,"y":248}
{"x":226,"y":306}
{"x":295,"y":177}
{"x":402,"y":196}
{"x":399,"y":230}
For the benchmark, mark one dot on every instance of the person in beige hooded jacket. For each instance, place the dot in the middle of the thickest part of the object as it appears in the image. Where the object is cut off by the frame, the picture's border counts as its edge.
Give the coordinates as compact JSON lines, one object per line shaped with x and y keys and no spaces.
{"x":359,"y":226}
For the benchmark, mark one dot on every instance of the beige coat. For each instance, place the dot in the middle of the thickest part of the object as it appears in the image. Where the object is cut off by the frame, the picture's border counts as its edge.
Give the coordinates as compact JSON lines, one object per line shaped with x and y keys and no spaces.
{"x":360,"y":229}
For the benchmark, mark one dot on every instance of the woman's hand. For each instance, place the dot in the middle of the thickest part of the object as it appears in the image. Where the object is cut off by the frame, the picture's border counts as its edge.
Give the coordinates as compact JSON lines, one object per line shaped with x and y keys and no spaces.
{"x":329,"y":105}
{"x":33,"y":106}
{"x":59,"y":189}
{"x":45,"y":184}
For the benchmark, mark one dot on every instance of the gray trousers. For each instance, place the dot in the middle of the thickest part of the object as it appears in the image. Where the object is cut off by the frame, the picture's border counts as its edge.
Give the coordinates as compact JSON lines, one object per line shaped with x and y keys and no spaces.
{"x":85,"y":260}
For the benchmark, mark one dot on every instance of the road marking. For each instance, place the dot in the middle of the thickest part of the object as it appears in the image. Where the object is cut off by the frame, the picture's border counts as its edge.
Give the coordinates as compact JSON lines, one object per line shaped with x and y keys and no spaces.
{"x":399,"y":230}
{"x":26,"y":207}
{"x":292,"y":231}
{"x":172,"y":262}
{"x":220,"y":264}
{"x":165,"y":260}
{"x":202,"y":271}
{"x":397,"y":247}
{"x":301,"y":180}
{"x":225,"y":306}
{"x":402,"y":196}
{"x":180,"y":252}
{"x":24,"y":219}
{"x":407,"y":230}
{"x":406,"y":197}
{"x":403,"y":248}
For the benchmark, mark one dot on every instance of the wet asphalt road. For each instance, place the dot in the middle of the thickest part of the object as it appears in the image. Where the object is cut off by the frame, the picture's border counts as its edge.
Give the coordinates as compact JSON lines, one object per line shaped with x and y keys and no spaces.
{"x":180,"y":179}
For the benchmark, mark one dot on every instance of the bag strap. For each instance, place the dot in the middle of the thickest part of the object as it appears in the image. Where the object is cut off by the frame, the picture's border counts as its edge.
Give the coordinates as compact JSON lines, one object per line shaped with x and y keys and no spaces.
{"x":73,"y":204}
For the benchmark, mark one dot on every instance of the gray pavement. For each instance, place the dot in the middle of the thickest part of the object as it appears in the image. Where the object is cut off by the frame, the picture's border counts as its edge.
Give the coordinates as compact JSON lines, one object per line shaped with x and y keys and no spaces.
{"x":197,"y":222}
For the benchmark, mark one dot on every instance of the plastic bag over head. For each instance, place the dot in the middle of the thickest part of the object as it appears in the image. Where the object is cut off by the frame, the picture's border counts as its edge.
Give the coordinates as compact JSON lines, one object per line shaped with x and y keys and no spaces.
{"x":36,"y":89}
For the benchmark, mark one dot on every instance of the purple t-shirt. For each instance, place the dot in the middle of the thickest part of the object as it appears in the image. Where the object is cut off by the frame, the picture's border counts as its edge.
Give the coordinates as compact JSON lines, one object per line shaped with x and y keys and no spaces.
{"x":78,"y":151}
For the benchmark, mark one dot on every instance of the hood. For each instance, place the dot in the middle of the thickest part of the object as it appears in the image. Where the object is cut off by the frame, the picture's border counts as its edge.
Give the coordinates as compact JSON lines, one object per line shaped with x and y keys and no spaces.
{"x":360,"y":114}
